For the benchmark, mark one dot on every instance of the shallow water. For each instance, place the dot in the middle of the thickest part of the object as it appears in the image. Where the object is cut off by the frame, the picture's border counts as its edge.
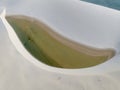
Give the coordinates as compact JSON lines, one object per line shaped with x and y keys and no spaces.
{"x":53,"y":49}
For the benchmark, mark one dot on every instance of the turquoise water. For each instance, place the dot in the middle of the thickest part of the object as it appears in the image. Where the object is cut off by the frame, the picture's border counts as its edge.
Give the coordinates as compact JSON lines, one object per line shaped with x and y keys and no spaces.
{"x":115,"y":4}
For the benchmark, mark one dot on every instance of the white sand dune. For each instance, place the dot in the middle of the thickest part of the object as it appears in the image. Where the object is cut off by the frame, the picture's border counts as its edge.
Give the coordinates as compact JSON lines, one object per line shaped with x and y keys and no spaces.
{"x":87,"y":23}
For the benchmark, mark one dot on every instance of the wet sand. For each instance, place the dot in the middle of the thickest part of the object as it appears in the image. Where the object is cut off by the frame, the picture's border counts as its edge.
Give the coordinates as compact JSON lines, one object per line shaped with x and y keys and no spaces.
{"x":53,"y":49}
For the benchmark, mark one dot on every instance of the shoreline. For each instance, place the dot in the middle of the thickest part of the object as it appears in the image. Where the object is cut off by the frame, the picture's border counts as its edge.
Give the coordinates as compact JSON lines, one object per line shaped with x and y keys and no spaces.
{"x":94,"y":51}
{"x":82,"y":54}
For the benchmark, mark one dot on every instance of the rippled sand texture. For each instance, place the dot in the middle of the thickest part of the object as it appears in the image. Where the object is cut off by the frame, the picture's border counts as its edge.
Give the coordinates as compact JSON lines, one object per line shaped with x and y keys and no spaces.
{"x":53,"y":49}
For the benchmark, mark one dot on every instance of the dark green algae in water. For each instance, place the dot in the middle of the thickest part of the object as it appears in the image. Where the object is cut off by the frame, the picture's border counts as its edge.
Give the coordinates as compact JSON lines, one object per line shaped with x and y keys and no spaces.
{"x":36,"y":38}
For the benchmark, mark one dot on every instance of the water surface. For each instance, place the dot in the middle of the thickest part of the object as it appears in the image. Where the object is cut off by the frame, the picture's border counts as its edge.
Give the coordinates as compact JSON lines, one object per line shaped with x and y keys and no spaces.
{"x":53,"y":49}
{"x":115,"y":4}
